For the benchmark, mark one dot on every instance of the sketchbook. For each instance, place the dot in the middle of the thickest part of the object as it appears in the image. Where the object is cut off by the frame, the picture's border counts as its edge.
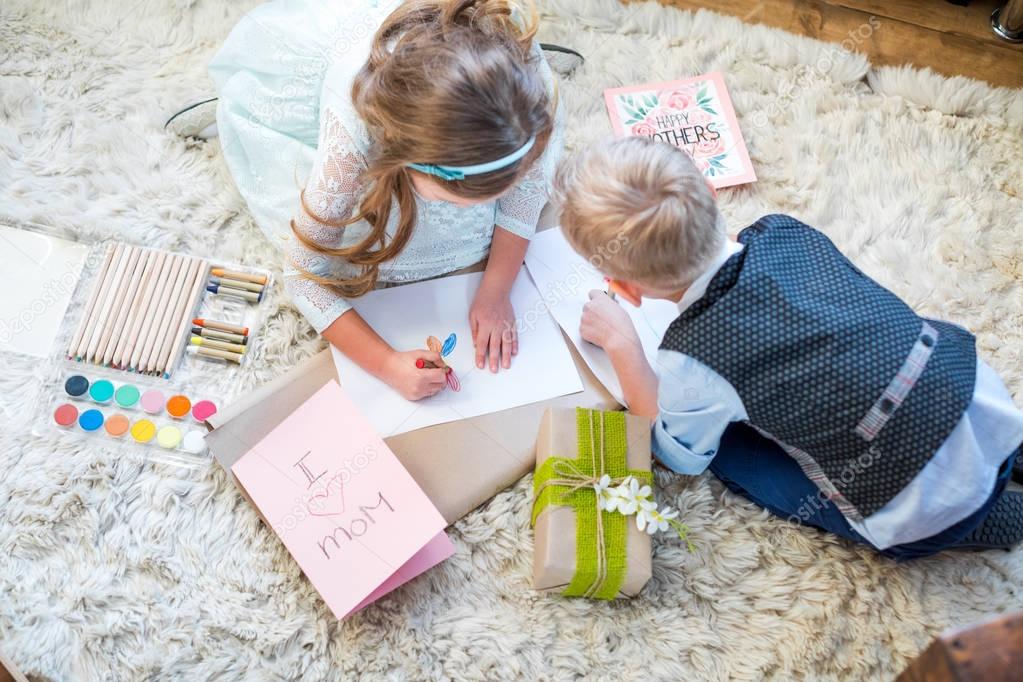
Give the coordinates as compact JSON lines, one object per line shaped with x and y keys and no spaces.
{"x":565,"y":280}
{"x":406,"y":316}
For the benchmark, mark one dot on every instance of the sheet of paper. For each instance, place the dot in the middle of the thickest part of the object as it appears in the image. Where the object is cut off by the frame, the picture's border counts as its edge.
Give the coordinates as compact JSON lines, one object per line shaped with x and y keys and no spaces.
{"x":405,"y":316}
{"x":355,"y":521}
{"x":565,"y":280}
{"x":38,"y":274}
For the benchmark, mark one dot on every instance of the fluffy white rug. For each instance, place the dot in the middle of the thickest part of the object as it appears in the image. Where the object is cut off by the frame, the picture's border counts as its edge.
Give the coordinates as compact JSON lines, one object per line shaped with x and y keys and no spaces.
{"x":112,"y":569}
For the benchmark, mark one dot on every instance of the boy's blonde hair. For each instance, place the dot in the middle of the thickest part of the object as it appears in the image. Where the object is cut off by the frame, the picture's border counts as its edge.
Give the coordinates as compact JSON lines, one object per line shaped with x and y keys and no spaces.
{"x":640,"y":210}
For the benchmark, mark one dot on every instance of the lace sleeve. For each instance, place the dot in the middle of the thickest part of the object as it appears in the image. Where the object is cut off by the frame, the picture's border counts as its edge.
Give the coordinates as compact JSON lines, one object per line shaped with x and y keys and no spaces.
{"x":332,"y":193}
{"x":519,"y":210}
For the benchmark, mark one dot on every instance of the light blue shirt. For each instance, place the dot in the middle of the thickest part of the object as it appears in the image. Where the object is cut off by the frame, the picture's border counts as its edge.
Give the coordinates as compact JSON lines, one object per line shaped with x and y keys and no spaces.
{"x":697,"y":404}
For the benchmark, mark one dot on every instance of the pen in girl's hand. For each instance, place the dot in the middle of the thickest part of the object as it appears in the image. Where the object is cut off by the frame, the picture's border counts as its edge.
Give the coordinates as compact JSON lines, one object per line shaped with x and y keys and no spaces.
{"x":426,"y":364}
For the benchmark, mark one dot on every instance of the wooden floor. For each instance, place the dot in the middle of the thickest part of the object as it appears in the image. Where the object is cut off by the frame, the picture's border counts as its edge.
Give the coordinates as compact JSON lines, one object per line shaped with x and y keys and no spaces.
{"x":950,"y":39}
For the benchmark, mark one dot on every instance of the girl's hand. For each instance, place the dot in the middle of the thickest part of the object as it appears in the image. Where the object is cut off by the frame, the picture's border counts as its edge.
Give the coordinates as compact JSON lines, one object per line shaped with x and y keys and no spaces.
{"x":606,"y":324}
{"x":400,"y":372}
{"x":492,"y":320}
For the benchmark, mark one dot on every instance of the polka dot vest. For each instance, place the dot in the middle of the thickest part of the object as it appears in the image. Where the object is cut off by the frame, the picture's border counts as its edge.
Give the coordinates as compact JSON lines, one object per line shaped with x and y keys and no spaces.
{"x":853,"y":384}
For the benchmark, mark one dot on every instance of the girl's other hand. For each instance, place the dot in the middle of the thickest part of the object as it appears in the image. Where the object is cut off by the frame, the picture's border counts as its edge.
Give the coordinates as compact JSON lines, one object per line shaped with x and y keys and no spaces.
{"x":492,"y":320}
{"x":400,"y":372}
{"x":606,"y":324}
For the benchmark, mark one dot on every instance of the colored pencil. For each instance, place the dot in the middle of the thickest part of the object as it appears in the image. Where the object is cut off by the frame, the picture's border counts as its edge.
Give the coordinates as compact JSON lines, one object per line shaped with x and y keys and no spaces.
{"x":243,"y":276}
{"x":221,"y":354}
{"x":124,"y":314}
{"x":179,"y":313}
{"x":100,"y":289}
{"x":237,"y":293}
{"x":84,"y":322}
{"x":126,"y":343}
{"x":110,"y":285}
{"x":219,"y":336}
{"x":165,"y":316}
{"x":193,"y":299}
{"x":149,"y":308}
{"x":217,"y":345}
{"x":120,"y":306}
{"x":220,"y":326}
{"x":237,"y":284}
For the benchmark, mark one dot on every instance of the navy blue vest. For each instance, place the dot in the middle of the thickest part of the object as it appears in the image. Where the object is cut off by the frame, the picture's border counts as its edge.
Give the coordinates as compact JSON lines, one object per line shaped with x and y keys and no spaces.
{"x":853,"y":384}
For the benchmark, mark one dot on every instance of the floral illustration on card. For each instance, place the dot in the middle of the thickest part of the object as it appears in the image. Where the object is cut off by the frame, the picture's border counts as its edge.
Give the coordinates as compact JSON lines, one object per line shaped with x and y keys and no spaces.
{"x":694,"y":115}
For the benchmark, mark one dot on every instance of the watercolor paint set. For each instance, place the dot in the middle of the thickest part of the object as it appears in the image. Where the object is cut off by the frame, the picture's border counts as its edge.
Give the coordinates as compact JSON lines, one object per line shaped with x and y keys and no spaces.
{"x":145,"y":344}
{"x":136,"y":413}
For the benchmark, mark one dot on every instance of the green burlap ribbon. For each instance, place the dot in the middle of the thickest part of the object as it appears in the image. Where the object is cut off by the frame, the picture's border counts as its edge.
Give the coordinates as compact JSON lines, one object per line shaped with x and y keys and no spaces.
{"x":600,"y":560}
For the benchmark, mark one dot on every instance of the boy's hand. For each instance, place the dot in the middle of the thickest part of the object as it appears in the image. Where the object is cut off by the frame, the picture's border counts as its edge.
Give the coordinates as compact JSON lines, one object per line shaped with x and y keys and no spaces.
{"x":606,"y":324}
{"x":492,"y":320}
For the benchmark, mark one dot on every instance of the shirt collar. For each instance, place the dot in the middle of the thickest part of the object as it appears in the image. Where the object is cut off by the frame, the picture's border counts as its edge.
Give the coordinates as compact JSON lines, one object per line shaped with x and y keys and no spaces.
{"x":698,"y":288}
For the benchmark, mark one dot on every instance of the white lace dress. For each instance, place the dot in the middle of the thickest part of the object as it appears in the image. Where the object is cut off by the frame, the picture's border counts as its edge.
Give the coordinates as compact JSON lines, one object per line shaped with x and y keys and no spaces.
{"x":268,"y":100}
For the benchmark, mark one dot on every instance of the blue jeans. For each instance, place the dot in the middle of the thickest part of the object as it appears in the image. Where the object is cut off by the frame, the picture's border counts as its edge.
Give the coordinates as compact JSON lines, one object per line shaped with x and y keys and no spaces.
{"x":756,"y":468}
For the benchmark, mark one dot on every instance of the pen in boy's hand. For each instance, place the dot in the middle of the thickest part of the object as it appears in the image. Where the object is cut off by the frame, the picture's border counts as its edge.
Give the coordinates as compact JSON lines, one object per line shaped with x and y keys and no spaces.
{"x":610,"y":289}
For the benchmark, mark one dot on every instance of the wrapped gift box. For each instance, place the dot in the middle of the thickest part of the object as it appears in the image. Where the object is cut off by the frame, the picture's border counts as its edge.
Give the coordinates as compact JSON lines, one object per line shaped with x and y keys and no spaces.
{"x":580,"y":550}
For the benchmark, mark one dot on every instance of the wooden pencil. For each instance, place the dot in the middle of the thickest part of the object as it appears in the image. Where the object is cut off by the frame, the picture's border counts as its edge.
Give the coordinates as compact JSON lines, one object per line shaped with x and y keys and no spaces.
{"x":221,"y":354}
{"x":179,"y":336}
{"x":221,"y":290}
{"x":156,"y":313}
{"x":131,"y":325}
{"x":99,"y":318}
{"x":100,"y":288}
{"x":119,"y":306}
{"x":237,"y":284}
{"x":134,"y":348}
{"x":243,"y":276}
{"x":220,"y":336}
{"x":93,"y":296}
{"x":173,"y":321}
{"x":221,"y":326}
{"x":218,"y":345}
{"x":163,"y":320}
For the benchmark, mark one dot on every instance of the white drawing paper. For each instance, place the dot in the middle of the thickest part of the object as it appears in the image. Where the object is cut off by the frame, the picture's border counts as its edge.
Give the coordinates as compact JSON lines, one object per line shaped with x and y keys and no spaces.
{"x":38,"y":274}
{"x":405,"y":316}
{"x":565,"y":280}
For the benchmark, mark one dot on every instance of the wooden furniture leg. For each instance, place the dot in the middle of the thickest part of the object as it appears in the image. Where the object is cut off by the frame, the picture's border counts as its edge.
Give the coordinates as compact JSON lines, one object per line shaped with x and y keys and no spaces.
{"x":989,"y":651}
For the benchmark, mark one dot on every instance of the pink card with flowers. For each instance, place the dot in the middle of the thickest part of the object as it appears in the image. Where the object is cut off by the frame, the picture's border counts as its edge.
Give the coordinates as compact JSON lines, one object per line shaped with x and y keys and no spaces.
{"x":695,"y":115}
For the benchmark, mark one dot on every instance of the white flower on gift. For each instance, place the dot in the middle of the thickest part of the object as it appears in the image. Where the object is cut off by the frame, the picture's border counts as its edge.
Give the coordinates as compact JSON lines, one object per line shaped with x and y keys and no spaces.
{"x":607,"y":497}
{"x":653,"y":521}
{"x":633,"y":497}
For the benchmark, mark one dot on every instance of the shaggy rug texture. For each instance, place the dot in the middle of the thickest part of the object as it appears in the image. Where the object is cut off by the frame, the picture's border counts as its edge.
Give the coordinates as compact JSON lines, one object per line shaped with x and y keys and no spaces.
{"x":113,"y":568}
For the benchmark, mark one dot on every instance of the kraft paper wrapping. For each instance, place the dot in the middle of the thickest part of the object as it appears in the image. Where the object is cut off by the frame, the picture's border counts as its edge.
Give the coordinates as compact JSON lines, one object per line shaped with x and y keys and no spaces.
{"x":459,"y":465}
{"x":555,"y":531}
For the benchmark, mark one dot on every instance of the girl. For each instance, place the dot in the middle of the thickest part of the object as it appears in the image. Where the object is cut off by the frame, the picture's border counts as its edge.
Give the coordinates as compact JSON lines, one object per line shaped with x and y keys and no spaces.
{"x":426,"y":130}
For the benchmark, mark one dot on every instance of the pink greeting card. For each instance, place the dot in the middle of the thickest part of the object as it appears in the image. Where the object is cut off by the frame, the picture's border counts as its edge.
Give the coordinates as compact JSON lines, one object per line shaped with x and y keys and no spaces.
{"x":352,"y":517}
{"x":695,"y":115}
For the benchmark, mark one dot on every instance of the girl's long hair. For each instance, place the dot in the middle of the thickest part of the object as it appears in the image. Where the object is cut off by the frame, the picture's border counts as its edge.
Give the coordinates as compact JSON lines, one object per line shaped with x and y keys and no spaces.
{"x":448,"y":82}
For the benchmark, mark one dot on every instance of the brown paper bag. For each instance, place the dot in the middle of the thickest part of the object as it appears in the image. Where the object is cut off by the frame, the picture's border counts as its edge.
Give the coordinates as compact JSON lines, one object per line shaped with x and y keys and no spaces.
{"x":555,"y":531}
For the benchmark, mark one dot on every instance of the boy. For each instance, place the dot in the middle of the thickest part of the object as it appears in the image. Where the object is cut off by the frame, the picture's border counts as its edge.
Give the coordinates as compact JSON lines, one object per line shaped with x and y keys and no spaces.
{"x":801,"y":383}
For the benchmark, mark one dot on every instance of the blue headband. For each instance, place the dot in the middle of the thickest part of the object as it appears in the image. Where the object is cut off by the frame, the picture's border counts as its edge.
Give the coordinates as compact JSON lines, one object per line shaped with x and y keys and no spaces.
{"x":460,"y":172}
